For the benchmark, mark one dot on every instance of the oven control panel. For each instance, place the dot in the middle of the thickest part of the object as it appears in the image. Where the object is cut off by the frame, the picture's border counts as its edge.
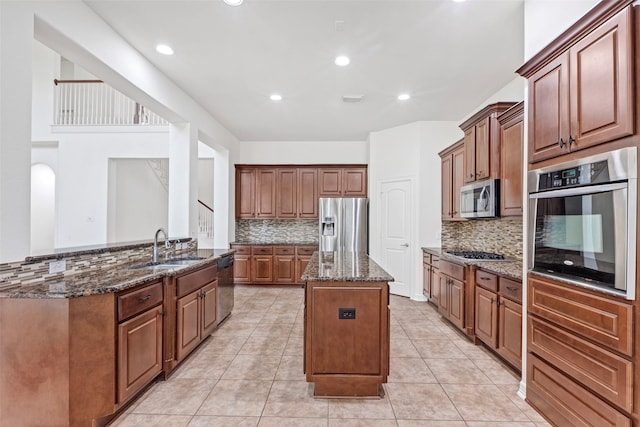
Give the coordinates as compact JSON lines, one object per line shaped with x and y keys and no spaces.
{"x":590,"y":173}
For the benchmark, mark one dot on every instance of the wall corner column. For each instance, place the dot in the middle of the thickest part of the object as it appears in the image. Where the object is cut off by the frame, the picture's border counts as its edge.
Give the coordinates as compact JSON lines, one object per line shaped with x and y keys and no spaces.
{"x":183,"y":181}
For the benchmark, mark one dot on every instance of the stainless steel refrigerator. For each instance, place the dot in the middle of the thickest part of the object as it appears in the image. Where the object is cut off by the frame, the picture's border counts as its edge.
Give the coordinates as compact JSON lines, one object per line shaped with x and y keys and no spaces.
{"x":344,"y":225}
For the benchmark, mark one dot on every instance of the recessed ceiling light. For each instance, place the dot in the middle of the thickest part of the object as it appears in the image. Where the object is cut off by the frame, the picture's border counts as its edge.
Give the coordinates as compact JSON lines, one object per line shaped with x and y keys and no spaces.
{"x":404,"y":96}
{"x":164,"y":49}
{"x":233,"y":2}
{"x":276,"y":97}
{"x":342,"y":60}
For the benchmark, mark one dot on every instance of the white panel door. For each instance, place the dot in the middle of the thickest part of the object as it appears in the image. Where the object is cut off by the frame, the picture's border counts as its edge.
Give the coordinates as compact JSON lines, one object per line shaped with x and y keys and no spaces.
{"x":395,"y":226}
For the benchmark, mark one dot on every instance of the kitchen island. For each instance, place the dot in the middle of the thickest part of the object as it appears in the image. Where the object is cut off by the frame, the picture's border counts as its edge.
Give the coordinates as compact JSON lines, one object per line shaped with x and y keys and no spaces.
{"x":346,"y":325}
{"x":77,"y":347}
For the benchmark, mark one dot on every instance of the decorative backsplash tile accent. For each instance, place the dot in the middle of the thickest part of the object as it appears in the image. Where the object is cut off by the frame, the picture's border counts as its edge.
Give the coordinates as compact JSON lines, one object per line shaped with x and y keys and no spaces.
{"x":30,"y":272}
{"x":277,"y":230}
{"x":502,"y":236}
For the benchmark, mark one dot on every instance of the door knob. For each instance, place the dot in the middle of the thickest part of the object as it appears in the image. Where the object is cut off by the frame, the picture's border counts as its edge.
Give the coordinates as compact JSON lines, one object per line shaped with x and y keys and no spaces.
{"x":406,"y":245}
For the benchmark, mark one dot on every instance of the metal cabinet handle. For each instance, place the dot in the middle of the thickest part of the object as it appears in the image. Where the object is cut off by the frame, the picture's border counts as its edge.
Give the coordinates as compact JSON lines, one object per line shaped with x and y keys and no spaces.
{"x":485,"y":278}
{"x":143,"y":299}
{"x":561,"y":143}
{"x":512,"y":288}
{"x":571,"y":141}
{"x":405,"y":245}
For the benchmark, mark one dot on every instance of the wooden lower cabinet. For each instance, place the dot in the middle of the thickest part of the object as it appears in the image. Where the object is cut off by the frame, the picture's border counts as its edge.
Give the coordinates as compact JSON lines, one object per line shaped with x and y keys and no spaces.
{"x":139,"y":352}
{"x":346,"y":355}
{"x":430,"y":277}
{"x":580,"y":359}
{"x":266,"y":264}
{"x":196,"y":319}
{"x":452,"y":295}
{"x":498,"y":316}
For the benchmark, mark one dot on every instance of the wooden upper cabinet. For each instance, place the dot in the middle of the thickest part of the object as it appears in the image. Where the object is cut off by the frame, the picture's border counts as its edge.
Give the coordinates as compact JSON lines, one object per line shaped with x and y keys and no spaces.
{"x":330,"y":182}
{"x":601,"y":83}
{"x":581,"y":89}
{"x":287,"y":193}
{"x":266,"y":193}
{"x":245,"y":193}
{"x":511,"y":152}
{"x":307,"y":193}
{"x":482,"y":143}
{"x":354,"y":182}
{"x":452,"y":179}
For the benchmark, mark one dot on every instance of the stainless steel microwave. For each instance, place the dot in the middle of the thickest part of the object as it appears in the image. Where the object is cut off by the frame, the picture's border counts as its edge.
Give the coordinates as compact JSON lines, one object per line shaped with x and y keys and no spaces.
{"x":582,"y":222}
{"x":480,"y":199}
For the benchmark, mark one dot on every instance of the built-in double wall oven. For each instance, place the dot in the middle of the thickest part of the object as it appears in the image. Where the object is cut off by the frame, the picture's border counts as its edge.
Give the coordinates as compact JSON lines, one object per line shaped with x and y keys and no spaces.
{"x":582,"y":222}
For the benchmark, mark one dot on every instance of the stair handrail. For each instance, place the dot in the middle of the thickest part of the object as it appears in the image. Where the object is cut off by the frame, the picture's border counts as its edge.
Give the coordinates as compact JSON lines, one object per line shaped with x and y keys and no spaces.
{"x":205,"y":205}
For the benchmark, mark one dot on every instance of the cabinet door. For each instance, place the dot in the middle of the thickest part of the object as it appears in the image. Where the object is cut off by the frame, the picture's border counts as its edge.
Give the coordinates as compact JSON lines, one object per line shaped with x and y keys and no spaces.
{"x":241,"y":268}
{"x":308,"y":193}
{"x":208,"y":301}
{"x":301,"y":264}
{"x":426,"y":279}
{"x":456,"y":303}
{"x":287,"y":193}
{"x":188,"y":325}
{"x":510,"y":332}
{"x":444,"y":297}
{"x":330,"y":182}
{"x":354,"y":182}
{"x":262,"y":269}
{"x":139,"y":352}
{"x":487,"y":317}
{"x":457,"y":180}
{"x":483,"y":150}
{"x":284,"y":268}
{"x":470,"y":154}
{"x":601,"y":83}
{"x":447,"y":187}
{"x":245,"y":193}
{"x":435,"y":286}
{"x":265,"y":193}
{"x":549,"y":110}
{"x":512,"y":142}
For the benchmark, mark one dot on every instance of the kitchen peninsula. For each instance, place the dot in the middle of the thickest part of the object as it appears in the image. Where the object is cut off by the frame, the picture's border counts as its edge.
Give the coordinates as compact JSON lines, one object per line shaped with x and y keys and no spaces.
{"x":346,"y":324}
{"x":77,"y":347}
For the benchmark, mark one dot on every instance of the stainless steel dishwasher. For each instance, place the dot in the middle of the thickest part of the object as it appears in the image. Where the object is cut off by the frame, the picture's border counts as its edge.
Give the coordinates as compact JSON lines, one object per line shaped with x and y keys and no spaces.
{"x":225,"y":287}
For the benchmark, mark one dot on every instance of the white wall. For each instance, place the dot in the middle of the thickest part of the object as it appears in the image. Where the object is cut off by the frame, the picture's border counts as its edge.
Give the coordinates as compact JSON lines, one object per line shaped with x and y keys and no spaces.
{"x":302,"y":152}
{"x":43,"y":207}
{"x":82,"y":178}
{"x":410,"y":151}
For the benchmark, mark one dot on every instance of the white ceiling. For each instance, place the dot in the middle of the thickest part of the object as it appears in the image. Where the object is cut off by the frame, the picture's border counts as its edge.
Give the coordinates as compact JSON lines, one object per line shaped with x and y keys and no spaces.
{"x":449,"y":56}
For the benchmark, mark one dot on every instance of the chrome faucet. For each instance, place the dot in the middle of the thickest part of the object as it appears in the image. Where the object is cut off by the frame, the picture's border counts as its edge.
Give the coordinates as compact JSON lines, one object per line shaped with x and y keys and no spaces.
{"x":167,"y":244}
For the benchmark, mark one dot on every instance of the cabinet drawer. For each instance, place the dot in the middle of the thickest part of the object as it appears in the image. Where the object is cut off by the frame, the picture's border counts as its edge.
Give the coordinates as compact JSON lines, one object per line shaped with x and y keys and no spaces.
{"x":139,"y":300}
{"x":306,"y":250}
{"x":284,"y":250}
{"x":607,"y":374}
{"x":426,"y":258}
{"x":192,"y":281}
{"x":565,"y":402}
{"x":604,"y":320}
{"x":435,"y":261}
{"x":451,"y":269}
{"x":487,"y":280}
{"x":511,"y":289}
{"x":241,"y":249}
{"x":262,"y":250}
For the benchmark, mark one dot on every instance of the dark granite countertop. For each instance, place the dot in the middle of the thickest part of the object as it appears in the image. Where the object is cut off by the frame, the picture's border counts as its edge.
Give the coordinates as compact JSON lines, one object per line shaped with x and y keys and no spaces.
{"x":109,"y":280}
{"x":274,"y":243}
{"x":344,"y":267}
{"x":511,"y":268}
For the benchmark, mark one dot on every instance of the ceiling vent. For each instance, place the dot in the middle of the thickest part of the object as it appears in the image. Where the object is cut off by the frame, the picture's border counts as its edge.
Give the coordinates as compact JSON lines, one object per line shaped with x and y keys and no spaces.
{"x":352,"y":98}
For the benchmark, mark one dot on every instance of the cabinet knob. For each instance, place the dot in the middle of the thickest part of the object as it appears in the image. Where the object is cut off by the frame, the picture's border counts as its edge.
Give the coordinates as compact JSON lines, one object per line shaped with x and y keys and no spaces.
{"x":571,"y":141}
{"x":561,"y":143}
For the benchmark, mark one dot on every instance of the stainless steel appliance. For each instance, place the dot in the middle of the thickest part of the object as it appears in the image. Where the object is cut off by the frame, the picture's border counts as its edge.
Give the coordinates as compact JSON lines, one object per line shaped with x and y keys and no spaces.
{"x":480,"y":199}
{"x":582,"y":221}
{"x":225,"y":287}
{"x":343,"y":225}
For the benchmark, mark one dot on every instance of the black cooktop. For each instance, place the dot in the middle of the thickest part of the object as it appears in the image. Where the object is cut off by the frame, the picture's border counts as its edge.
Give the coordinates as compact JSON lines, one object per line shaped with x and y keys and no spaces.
{"x":476,"y":255}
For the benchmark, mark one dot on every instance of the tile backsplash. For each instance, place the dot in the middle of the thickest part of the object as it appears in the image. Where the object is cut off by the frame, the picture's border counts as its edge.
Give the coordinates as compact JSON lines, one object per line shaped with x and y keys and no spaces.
{"x":274,"y":230}
{"x":503,"y":236}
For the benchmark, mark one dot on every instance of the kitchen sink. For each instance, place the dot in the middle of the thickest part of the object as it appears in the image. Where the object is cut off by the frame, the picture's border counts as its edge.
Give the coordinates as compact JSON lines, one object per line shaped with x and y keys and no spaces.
{"x":168,"y":264}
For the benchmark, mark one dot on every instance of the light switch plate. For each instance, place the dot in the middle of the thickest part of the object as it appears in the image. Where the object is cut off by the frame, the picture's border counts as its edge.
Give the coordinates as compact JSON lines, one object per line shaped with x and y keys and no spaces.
{"x":57,"y":266}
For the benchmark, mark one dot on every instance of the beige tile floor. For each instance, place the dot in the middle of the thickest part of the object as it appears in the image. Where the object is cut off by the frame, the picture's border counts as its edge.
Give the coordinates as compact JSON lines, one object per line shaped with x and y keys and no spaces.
{"x":249,"y":373}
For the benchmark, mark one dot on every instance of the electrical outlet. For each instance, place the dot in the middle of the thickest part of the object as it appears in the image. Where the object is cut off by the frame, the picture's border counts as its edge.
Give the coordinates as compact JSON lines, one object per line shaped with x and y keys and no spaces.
{"x":346,"y":313}
{"x":57,"y":266}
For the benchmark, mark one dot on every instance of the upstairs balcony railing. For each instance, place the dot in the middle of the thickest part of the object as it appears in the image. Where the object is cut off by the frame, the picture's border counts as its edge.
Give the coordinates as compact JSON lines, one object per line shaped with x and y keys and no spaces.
{"x":94,"y":103}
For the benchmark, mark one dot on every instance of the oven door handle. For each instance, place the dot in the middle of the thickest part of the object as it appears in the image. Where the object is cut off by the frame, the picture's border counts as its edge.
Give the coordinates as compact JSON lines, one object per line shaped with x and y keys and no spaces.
{"x":578,"y":191}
